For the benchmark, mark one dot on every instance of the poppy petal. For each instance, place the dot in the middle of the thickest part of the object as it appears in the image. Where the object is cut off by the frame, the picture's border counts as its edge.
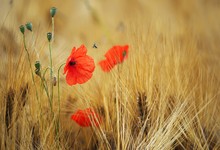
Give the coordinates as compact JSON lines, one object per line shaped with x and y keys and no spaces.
{"x":82,"y":76}
{"x":66,"y":68}
{"x":115,"y":55}
{"x":85,"y":63}
{"x":81,"y":118}
{"x":79,"y":52}
{"x":105,"y":65}
{"x":86,"y":118}
{"x":71,"y":77}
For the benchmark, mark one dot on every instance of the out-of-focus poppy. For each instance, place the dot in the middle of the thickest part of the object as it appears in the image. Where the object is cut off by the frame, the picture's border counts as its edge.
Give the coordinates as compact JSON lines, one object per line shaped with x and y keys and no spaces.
{"x":115,"y":55}
{"x":79,"y":66}
{"x":86,"y":118}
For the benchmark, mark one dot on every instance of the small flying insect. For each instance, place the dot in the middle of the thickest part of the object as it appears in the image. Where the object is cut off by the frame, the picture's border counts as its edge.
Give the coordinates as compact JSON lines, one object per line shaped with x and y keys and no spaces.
{"x":94,"y":45}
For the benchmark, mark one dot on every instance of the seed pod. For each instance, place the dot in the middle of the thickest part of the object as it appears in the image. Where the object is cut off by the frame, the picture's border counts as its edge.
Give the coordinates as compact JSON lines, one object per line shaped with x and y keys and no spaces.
{"x":22,"y":29}
{"x":29,"y":26}
{"x":49,"y":36}
{"x":38,"y":66}
{"x":53,"y":11}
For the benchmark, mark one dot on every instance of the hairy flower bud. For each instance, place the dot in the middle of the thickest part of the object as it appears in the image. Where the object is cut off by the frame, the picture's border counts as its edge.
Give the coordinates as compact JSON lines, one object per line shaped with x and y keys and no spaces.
{"x":29,"y":26}
{"x":37,"y":64}
{"x":22,"y":29}
{"x":49,"y":36}
{"x":53,"y":11}
{"x":37,"y":68}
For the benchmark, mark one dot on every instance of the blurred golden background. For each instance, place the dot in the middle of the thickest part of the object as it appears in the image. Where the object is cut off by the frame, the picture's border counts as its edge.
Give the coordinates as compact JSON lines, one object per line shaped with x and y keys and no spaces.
{"x":108,"y":22}
{"x":174,"y":60}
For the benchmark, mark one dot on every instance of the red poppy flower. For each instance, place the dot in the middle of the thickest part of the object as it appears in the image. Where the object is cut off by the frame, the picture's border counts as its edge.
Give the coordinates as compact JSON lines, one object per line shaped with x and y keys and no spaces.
{"x":106,"y":65}
{"x":79,"y":66}
{"x":86,"y":118}
{"x":115,"y":55}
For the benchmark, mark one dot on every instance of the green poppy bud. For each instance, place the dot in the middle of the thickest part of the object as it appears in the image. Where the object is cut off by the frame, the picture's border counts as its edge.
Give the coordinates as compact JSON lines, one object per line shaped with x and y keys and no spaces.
{"x":22,"y":29}
{"x":37,"y":65}
{"x":53,"y":11}
{"x":29,"y":26}
{"x":49,"y":36}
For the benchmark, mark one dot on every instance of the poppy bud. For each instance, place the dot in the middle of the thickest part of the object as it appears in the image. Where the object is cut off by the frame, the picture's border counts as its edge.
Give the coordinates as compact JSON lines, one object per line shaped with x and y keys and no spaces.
{"x":37,"y":66}
{"x":29,"y":26}
{"x":22,"y":29}
{"x":53,"y":11}
{"x":49,"y":36}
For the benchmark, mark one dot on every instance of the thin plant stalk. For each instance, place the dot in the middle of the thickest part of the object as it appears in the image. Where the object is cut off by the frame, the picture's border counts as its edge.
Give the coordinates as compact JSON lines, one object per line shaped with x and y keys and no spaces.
{"x":52,"y":29}
{"x":44,"y":84}
{"x":118,"y":99}
{"x":51,"y":77}
{"x":33,"y":44}
{"x":51,"y":65}
{"x":58,"y":85}
{"x":29,"y":60}
{"x":46,"y":88}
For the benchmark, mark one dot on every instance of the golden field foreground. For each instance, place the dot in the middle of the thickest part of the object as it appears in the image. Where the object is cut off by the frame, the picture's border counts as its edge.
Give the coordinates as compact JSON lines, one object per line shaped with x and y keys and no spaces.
{"x":165,"y":95}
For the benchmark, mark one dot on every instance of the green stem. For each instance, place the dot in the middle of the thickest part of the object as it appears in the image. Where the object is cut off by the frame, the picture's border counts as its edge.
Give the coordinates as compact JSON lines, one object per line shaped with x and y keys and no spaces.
{"x":51,"y":77}
{"x":43,"y":81}
{"x":29,"y":60}
{"x":57,"y":130}
{"x":118,"y":107}
{"x":45,"y":87}
{"x":51,"y":65}
{"x":33,"y":44}
{"x":58,"y":84}
{"x":52,"y":29}
{"x":45,"y":72}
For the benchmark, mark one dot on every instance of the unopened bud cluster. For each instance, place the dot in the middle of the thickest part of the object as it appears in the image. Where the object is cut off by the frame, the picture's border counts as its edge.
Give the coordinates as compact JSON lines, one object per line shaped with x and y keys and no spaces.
{"x":27,"y":25}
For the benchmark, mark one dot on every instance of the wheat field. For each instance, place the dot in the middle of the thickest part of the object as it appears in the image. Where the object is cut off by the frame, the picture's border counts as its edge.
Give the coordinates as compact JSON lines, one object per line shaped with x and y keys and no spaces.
{"x":164,"y":96}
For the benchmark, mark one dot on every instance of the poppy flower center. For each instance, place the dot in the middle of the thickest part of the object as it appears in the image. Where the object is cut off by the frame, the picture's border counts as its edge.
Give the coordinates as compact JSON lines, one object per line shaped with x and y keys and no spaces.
{"x":72,"y":63}
{"x":124,"y":53}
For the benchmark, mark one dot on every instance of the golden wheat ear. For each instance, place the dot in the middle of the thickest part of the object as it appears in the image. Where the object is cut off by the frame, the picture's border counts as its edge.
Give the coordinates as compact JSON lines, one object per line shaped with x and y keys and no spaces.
{"x":36,"y":136}
{"x":10,"y":95}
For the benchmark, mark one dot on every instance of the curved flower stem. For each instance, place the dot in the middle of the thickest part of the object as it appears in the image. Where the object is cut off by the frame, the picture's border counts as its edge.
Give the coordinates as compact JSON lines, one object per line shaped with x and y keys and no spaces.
{"x":45,"y":87}
{"x":45,"y":84}
{"x":29,"y":60}
{"x":58,"y":84}
{"x":45,"y":72}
